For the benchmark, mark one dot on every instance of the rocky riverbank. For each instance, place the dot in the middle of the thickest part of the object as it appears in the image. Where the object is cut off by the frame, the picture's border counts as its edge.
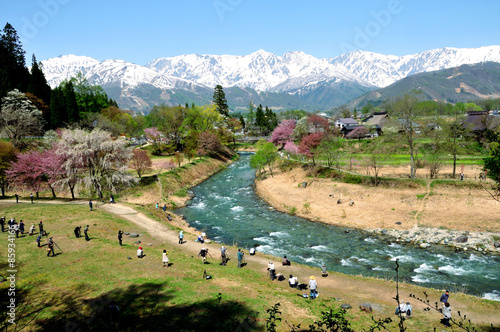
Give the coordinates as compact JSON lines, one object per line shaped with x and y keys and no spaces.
{"x":461,"y":240}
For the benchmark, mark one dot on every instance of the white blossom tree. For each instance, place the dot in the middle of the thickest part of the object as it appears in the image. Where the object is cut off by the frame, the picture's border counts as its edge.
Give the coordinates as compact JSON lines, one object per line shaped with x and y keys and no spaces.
{"x":19,"y":117}
{"x":102,"y":160}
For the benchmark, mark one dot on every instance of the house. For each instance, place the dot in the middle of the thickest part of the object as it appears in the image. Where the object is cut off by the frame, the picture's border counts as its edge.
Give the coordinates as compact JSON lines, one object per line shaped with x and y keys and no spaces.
{"x":376,"y":122}
{"x":477,"y":122}
{"x":342,"y":122}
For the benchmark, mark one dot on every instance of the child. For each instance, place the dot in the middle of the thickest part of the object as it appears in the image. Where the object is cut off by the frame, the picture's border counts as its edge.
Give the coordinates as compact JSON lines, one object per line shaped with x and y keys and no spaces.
{"x":140,"y":253}
{"x":165,"y":258}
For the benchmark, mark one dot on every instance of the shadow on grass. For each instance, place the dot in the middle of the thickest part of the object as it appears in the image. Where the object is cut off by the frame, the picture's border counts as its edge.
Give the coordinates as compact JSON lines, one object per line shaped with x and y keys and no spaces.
{"x":147,"y":307}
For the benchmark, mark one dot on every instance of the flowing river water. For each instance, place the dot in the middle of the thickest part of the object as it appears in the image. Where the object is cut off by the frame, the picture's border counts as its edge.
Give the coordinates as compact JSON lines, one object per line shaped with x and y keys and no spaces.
{"x":226,"y":207}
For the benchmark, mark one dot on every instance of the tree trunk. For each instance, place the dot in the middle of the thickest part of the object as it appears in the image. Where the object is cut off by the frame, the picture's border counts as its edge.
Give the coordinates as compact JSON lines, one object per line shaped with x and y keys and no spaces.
{"x":53,"y":192}
{"x":454,"y":163}
{"x":72,"y":189}
{"x":3,"y":192}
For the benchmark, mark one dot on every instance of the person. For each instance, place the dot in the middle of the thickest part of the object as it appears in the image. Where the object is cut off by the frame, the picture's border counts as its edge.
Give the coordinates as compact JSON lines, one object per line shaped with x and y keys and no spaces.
{"x":401,"y":309}
{"x":77,"y":232}
{"x":140,"y":253}
{"x":169,"y":217}
{"x":444,"y":297}
{"x":120,"y":236}
{"x":203,"y":253}
{"x":223,"y":255}
{"x":31,"y":195}
{"x":240,"y":257}
{"x":446,"y":314}
{"x":40,"y":226}
{"x":204,"y":236}
{"x":90,"y":205}
{"x":15,"y":226}
{"x":324,"y":272}
{"x":181,"y":237}
{"x":200,"y":239}
{"x":21,"y":227}
{"x":409,"y":310}
{"x":252,"y":251}
{"x":164,"y":207}
{"x":51,"y":248}
{"x":165,"y":258}
{"x":112,"y":199}
{"x":17,"y":199}
{"x":32,"y":230}
{"x":38,"y":239}
{"x":272,"y":270}
{"x":313,"y":287}
{"x":85,"y":231}
{"x":285,"y":261}
{"x":157,"y":206}
{"x":292,"y":281}
{"x":461,"y":176}
{"x":2,"y":224}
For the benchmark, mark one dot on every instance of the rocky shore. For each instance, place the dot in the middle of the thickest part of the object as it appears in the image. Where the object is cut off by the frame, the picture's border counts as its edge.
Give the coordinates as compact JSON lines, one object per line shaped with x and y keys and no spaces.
{"x":482,"y":242}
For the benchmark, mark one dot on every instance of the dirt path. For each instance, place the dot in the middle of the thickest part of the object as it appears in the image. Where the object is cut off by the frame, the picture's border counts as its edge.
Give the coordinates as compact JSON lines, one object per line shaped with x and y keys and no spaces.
{"x":422,"y":205}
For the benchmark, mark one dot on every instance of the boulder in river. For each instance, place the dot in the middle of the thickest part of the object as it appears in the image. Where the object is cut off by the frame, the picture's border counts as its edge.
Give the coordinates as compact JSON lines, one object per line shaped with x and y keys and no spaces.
{"x":424,"y":245}
{"x":496,"y":244}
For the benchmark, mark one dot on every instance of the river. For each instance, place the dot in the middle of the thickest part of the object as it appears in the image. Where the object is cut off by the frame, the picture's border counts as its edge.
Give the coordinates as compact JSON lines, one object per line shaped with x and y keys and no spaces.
{"x":228,"y":210}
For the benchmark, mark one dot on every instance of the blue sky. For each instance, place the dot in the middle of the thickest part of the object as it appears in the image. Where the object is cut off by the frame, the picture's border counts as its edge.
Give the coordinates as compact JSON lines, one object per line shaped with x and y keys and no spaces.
{"x":139,"y":31}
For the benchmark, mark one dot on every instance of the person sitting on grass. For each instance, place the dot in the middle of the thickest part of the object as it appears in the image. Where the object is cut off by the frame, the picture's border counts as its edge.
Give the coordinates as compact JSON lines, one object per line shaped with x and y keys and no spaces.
{"x":140,"y":253}
{"x":292,"y":281}
{"x":200,"y":238}
{"x":203,"y":253}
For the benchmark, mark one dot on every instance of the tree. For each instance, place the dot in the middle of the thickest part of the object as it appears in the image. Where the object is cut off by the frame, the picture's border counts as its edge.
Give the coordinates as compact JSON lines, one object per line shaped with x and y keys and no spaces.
{"x":309,"y":144}
{"x":251,"y":113}
{"x":26,"y":172}
{"x":209,"y":143}
{"x":332,"y":150}
{"x":405,"y":109}
{"x":102,"y":160}
{"x":19,"y":117}
{"x":219,"y":99}
{"x":260,"y":118}
{"x":7,"y":155}
{"x":52,"y":168}
{"x":301,"y":128}
{"x":453,"y":133}
{"x":153,"y":134}
{"x":434,"y":163}
{"x":141,"y":162}
{"x":291,"y":148}
{"x":242,"y":121}
{"x":271,"y":120}
{"x":13,"y":71}
{"x":171,"y":122}
{"x":178,"y":158}
{"x":283,"y":133}
{"x":38,"y":84}
{"x":265,"y":155}
{"x":492,"y":164}
{"x":358,"y":132}
{"x":70,"y":102}
{"x":318,"y":123}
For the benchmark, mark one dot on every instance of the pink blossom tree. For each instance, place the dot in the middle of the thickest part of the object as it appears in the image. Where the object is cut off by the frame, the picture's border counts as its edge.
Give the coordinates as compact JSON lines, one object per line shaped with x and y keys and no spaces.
{"x":26,"y":173}
{"x":358,"y":132}
{"x":154,"y":134}
{"x":51,"y":164}
{"x":283,"y":133}
{"x":319,"y":123}
{"x":291,"y":148}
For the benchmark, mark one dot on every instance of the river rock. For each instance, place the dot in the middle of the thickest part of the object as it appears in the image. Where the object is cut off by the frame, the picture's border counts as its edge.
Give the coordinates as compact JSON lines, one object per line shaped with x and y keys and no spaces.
{"x":126,"y":233}
{"x":303,"y":184}
{"x":134,"y":235}
{"x":496,"y":244}
{"x":461,"y":239}
{"x":425,"y":245}
{"x":137,"y":242}
{"x":383,"y":232}
{"x":366,"y":307}
{"x":406,"y":232}
{"x":345,"y":306}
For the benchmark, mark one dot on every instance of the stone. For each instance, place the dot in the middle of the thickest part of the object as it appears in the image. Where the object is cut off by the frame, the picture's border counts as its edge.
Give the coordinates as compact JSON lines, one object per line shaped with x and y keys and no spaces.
{"x":406,"y":232}
{"x":126,"y":233}
{"x":150,"y":244}
{"x":398,"y":222}
{"x":461,"y":239}
{"x":496,"y":244}
{"x":383,"y":232}
{"x":137,"y":242}
{"x":339,"y":201}
{"x":351,"y":203}
{"x":446,"y":241}
{"x":366,"y":307}
{"x":345,"y":306}
{"x":129,"y":257}
{"x":303,"y":184}
{"x":425,"y":245}
{"x":134,"y":235}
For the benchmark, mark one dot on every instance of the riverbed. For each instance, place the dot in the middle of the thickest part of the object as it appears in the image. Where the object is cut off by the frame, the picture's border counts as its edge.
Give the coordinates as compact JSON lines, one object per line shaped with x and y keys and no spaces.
{"x":228,"y":210}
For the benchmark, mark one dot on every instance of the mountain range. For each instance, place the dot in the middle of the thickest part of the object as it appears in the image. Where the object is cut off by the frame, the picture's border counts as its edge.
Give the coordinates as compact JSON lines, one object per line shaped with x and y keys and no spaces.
{"x":293,"y":80}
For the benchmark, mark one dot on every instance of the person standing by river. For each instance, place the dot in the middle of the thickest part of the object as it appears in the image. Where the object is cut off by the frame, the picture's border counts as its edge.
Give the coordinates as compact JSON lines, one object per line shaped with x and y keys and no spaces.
{"x":444,"y":297}
{"x":223,"y":255}
{"x":181,"y":237}
{"x":240,"y":257}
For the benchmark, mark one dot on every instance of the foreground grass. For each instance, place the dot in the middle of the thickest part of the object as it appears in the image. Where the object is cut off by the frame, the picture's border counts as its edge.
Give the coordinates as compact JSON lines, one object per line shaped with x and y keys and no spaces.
{"x":73,"y":290}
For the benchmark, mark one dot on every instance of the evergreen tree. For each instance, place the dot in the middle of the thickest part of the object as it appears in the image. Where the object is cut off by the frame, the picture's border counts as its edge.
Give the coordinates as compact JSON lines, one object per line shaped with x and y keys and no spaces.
{"x":251,"y":113}
{"x":271,"y":119}
{"x":242,"y":121}
{"x":260,"y":118}
{"x":70,"y":103}
{"x":13,"y":71}
{"x":219,"y":99}
{"x":38,"y":84}
{"x":58,"y":114}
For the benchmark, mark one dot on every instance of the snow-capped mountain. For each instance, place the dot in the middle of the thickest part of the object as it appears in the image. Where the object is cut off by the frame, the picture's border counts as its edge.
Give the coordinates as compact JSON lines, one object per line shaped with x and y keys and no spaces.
{"x":294,"y":73}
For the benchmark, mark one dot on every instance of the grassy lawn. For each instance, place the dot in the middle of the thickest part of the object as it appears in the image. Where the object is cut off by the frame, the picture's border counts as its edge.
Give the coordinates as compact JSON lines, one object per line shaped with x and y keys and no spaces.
{"x":73,"y":290}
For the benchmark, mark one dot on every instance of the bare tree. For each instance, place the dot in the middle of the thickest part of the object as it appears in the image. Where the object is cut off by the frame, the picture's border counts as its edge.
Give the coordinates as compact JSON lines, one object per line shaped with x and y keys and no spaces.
{"x":141,"y":162}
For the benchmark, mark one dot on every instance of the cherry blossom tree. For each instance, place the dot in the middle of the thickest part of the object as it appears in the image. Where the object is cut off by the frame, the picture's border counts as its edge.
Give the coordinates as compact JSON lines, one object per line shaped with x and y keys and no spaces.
{"x":358,"y":132}
{"x":283,"y":133}
{"x":52,"y":167}
{"x":154,"y":134}
{"x":141,"y":162}
{"x":291,"y":148}
{"x":101,"y":160}
{"x":26,"y":173}
{"x":209,"y":142}
{"x":309,"y":143}
{"x":319,"y":123}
